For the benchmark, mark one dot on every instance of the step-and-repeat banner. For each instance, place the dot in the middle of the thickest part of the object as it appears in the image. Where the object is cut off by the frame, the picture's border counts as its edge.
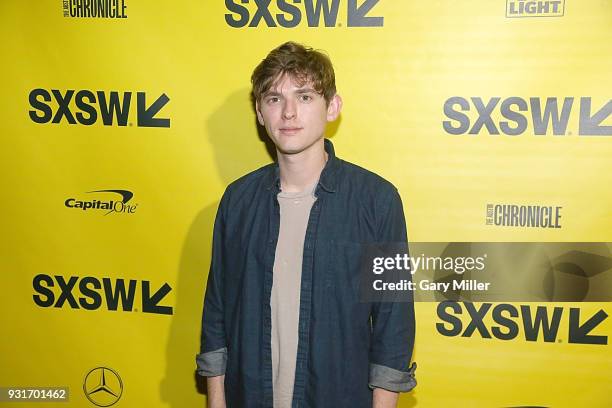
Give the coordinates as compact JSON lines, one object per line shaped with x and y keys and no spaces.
{"x":124,"y":120}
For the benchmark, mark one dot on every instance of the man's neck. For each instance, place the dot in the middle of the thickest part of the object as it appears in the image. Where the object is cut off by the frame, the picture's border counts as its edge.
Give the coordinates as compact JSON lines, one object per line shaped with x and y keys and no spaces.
{"x":301,"y":170}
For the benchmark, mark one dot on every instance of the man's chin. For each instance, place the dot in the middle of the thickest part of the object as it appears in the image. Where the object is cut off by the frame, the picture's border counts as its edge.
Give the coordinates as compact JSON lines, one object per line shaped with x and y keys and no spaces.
{"x":289,"y":151}
{"x":292,"y":149}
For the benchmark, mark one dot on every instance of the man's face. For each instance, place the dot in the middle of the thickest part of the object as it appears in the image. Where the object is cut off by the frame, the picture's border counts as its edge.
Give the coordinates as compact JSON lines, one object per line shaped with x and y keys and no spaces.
{"x":295,"y":116}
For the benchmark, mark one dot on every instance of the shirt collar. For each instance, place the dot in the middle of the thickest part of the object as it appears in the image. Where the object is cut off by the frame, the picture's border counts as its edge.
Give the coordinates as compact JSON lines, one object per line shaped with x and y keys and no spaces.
{"x":327,"y":180}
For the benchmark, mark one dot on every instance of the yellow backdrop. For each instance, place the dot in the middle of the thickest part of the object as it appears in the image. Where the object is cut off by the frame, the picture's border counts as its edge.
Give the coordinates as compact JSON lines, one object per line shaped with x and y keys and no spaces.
{"x":403,"y":70}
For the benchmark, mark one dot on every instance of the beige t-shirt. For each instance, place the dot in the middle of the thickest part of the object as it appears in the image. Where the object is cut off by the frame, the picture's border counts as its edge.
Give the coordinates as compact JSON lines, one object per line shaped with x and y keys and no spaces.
{"x":285,"y":298}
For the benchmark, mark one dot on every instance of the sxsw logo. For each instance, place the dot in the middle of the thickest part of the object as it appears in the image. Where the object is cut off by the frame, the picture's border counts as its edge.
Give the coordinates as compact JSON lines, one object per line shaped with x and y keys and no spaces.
{"x":87,"y":107}
{"x":285,"y":13}
{"x":91,"y":293}
{"x":530,"y":8}
{"x":539,"y":322}
{"x":545,"y":115}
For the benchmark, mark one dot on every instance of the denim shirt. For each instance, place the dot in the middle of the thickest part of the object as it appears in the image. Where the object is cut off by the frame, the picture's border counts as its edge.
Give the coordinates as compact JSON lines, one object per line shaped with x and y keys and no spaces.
{"x":346,"y":347}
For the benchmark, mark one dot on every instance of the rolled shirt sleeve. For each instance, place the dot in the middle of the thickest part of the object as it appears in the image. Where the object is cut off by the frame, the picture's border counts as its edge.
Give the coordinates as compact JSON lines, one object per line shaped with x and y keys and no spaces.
{"x":212,"y":363}
{"x":393,"y":322}
{"x":391,"y":379}
{"x":212,"y":359}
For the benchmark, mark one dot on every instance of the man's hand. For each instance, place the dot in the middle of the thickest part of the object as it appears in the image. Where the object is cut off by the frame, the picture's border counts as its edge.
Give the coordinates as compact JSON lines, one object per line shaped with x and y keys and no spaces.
{"x":216,"y":391}
{"x":384,"y":399}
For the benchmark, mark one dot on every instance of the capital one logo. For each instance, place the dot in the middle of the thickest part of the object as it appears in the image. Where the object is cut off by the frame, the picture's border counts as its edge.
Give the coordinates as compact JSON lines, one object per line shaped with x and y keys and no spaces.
{"x":87,"y":107}
{"x":109,"y":207}
{"x":291,"y":13}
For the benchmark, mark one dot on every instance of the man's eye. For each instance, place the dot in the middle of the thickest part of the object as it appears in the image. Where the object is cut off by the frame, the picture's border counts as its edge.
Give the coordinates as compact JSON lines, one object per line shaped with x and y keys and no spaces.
{"x":305,"y":98}
{"x":272,"y":99}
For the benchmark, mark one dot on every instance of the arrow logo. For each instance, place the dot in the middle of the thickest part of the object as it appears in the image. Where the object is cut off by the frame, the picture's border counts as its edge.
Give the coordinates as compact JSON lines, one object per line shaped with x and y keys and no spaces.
{"x":589,"y":125}
{"x":357,"y":15}
{"x":146,"y":115}
{"x":149,"y":303}
{"x":580,"y":334}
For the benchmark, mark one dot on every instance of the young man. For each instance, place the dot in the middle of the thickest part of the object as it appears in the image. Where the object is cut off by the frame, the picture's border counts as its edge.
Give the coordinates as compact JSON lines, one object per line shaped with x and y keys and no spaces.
{"x":283,"y":323}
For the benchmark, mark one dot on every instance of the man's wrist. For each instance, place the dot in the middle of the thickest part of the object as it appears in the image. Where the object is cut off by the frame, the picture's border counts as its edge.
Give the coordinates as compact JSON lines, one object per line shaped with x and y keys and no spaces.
{"x":216,"y":391}
{"x":384,"y":399}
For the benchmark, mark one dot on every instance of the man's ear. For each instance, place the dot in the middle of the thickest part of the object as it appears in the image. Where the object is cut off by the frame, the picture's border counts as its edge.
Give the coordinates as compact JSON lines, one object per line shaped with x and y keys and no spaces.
{"x":334,"y":107}
{"x":259,"y":115}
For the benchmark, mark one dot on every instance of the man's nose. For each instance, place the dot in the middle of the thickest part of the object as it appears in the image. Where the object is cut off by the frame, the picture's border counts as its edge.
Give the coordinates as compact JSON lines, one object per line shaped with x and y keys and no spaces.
{"x":289,"y":110}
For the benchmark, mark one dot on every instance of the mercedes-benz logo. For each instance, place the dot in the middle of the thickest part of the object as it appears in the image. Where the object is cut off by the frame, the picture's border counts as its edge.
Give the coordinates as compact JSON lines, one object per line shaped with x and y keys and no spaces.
{"x":103,"y":386}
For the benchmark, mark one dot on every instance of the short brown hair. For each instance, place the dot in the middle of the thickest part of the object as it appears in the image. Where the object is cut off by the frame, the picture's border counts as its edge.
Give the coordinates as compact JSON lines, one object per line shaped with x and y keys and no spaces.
{"x":302,"y":63}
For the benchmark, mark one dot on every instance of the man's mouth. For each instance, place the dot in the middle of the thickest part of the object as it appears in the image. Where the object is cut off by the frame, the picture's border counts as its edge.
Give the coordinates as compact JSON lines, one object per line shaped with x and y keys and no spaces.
{"x":290,"y":130}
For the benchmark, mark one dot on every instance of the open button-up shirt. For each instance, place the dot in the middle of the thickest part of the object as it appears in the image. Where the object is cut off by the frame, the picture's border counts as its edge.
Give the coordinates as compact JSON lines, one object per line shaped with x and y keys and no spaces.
{"x":346,"y":346}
